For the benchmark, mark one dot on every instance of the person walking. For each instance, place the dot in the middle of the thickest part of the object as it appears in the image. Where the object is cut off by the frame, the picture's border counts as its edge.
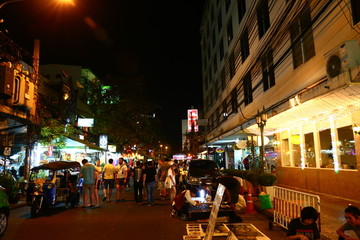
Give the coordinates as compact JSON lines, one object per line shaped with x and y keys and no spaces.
{"x":121,"y":177}
{"x":137,"y":174}
{"x":109,"y":180}
{"x":149,"y":180}
{"x":97,"y":182}
{"x":170,"y":182}
{"x":163,"y":167}
{"x":88,"y":172}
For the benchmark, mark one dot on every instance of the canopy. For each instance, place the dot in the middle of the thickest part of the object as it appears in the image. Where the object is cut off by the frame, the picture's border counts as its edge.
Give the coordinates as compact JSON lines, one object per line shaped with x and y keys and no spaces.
{"x":58,"y":165}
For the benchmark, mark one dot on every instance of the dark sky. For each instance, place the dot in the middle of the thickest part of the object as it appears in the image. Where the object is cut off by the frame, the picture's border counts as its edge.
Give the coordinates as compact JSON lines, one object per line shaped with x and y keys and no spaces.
{"x":158,"y":41}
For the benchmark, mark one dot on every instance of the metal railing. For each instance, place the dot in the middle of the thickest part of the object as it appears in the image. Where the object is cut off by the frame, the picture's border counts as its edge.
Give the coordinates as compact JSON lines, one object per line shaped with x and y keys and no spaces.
{"x":288,"y":204}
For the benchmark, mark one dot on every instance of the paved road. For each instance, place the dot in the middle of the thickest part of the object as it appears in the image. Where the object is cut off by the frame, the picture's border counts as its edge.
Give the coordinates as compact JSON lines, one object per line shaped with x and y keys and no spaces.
{"x":126,"y":221}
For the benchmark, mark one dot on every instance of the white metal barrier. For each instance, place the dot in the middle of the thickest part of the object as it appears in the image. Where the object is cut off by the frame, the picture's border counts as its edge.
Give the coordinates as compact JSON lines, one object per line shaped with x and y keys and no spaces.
{"x":288,"y":204}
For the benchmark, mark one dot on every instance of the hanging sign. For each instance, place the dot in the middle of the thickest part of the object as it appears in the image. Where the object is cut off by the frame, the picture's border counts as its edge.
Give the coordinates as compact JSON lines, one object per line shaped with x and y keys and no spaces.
{"x":220,"y":150}
{"x":103,"y":141}
{"x":192,"y":119}
{"x":7,"y":151}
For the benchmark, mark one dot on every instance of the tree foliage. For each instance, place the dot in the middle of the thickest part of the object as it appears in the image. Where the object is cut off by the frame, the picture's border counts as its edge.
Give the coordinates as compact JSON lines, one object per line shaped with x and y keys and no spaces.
{"x":54,"y":132}
{"x":126,"y":115}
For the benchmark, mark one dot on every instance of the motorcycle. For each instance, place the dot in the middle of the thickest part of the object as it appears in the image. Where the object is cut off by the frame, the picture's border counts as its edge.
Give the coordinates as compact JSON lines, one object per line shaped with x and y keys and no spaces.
{"x":51,"y":184}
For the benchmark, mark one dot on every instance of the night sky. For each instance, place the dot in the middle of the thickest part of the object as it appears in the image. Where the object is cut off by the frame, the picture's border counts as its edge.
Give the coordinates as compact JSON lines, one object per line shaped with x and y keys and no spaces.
{"x":158,"y":41}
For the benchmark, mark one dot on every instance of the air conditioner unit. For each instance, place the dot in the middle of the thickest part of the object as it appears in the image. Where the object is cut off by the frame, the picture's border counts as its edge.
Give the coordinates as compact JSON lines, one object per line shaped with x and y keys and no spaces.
{"x":23,"y":94}
{"x":6,"y":80}
{"x":343,"y":59}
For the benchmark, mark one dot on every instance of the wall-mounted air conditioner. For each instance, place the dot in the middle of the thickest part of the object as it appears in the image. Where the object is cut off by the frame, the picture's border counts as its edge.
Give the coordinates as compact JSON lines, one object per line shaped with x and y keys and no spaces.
{"x":6,"y":80}
{"x":343,"y":59}
{"x":23,"y":94}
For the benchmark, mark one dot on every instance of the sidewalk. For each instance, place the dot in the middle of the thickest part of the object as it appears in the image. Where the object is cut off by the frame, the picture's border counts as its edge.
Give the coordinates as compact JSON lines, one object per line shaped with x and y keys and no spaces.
{"x":331,"y":216}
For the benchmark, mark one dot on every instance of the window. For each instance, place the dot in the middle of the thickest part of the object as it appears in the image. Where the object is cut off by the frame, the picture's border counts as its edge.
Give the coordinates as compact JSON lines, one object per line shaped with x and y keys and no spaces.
{"x":223,"y":81}
{"x":221,"y":49}
{"x":219,"y":21}
{"x":267,"y":66}
{"x":244,"y":41}
{"x":310,"y":150}
{"x":227,"y":4}
{"x":355,"y":11}
{"x":263,"y":17}
{"x":302,"y":41}
{"x":346,"y":148}
{"x":215,"y":63}
{"x":241,"y":9}
{"x":234,"y":104}
{"x":232,"y":64}
{"x":229,"y":31}
{"x":225,"y":112}
{"x":213,"y":38}
{"x":247,"y":89}
{"x":326,"y":151}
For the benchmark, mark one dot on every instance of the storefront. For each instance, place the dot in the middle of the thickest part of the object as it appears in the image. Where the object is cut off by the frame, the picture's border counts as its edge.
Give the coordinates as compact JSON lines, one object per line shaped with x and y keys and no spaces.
{"x":75,"y":150}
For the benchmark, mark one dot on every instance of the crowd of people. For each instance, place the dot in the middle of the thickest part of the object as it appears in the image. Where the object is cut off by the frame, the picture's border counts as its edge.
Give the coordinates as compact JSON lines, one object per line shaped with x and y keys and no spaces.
{"x":169,"y":177}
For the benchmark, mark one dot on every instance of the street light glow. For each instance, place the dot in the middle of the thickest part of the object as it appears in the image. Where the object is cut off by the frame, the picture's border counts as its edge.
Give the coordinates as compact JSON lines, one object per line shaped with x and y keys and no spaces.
{"x":70,"y":2}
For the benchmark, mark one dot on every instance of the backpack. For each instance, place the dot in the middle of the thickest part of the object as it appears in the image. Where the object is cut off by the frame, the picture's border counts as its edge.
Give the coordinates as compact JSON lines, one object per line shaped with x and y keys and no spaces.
{"x":179,"y":200}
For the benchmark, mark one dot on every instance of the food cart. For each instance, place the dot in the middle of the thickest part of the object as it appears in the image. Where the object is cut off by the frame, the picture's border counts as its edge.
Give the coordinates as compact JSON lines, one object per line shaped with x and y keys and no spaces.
{"x":216,"y":230}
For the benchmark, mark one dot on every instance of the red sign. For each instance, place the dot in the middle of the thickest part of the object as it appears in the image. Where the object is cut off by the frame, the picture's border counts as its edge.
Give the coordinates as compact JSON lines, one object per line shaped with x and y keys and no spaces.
{"x":192,"y":117}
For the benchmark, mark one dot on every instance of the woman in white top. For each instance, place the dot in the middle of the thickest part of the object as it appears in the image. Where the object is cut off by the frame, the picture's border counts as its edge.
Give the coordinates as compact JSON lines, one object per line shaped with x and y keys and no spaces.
{"x":171,"y":182}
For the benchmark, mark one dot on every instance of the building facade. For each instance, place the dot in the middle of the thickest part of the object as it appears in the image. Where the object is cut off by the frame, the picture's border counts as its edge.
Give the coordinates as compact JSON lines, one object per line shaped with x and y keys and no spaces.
{"x":298,"y":62}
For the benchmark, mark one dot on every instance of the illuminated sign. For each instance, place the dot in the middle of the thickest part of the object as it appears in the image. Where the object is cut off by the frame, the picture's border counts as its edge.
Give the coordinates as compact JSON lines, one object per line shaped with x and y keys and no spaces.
{"x":192,"y":117}
{"x":85,"y":122}
{"x":112,"y":148}
{"x":103,"y":141}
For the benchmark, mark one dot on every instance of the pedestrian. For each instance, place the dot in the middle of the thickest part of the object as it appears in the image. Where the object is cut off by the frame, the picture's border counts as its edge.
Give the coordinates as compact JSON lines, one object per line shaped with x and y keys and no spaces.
{"x":88,"y":172}
{"x":121,"y":178}
{"x":163,"y":167}
{"x":97,"y":182}
{"x":137,"y":174}
{"x":109,"y":180}
{"x":352,"y":216}
{"x":304,"y":227}
{"x":170,"y":182}
{"x":128,"y":179}
{"x":149,"y":180}
{"x":246,"y":162}
{"x":13,"y":172}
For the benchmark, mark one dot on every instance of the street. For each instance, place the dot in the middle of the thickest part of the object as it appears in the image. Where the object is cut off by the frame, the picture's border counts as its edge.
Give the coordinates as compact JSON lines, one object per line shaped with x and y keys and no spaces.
{"x":125,"y":220}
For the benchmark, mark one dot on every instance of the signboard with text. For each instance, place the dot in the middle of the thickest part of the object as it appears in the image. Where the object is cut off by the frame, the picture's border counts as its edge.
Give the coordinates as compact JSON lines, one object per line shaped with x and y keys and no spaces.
{"x":192,"y":118}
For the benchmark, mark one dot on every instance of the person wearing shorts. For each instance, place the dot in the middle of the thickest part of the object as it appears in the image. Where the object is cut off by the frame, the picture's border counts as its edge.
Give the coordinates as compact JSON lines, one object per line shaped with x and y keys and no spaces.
{"x":108,"y":176}
{"x":121,"y":177}
{"x":88,"y":173}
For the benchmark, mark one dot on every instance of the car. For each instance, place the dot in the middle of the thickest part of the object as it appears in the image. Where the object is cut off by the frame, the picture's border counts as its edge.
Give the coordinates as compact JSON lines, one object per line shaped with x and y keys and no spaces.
{"x":4,"y":211}
{"x":202,"y":172}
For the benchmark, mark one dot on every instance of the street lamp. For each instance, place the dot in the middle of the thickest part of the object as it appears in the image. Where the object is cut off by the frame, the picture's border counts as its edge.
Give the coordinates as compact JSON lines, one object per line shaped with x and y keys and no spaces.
{"x":261,"y":119}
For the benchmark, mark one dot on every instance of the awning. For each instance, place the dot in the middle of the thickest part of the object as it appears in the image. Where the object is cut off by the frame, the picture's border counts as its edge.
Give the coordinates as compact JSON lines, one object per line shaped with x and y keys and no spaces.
{"x":76,"y":143}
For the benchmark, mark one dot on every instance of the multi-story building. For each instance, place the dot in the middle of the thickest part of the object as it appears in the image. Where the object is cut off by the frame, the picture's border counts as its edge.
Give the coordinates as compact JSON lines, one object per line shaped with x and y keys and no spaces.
{"x":298,"y":62}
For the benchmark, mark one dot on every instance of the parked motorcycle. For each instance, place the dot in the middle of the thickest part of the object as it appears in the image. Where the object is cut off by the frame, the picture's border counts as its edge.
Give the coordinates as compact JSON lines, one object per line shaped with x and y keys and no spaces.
{"x":51,"y":184}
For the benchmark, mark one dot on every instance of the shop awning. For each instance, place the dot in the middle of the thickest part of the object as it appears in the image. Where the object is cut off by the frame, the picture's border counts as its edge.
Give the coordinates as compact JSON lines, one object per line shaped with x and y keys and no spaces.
{"x":77,"y":143}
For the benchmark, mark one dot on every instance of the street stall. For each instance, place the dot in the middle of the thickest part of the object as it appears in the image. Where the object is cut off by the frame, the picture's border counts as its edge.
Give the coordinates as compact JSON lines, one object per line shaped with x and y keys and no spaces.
{"x":217,"y":230}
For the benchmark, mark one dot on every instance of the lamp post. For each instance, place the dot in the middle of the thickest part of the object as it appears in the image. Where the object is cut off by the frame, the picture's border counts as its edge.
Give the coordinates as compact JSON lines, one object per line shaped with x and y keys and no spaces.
{"x":261,"y":119}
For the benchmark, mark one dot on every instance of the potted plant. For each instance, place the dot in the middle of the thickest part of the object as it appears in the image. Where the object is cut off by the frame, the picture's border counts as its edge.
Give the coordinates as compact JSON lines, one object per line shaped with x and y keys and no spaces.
{"x":267,"y":182}
{"x":12,"y":187}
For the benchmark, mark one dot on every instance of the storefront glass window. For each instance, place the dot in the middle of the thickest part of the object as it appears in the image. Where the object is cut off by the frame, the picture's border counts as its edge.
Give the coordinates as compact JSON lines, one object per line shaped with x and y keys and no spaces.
{"x":285,"y":152}
{"x":310,"y":160}
{"x":326,"y":151}
{"x":347,"y":148}
{"x":295,"y":141}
